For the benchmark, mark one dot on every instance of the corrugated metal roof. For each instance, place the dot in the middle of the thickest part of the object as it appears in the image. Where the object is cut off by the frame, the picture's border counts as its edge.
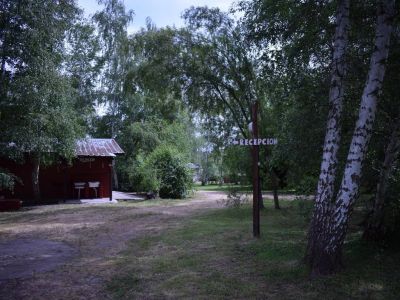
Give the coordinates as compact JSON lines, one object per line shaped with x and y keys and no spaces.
{"x":98,"y":147}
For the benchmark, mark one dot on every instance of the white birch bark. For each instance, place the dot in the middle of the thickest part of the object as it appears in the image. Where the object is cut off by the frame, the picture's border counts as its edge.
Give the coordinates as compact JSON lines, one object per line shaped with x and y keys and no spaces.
{"x":325,"y":188}
{"x":35,"y":176}
{"x":349,"y":188}
{"x":336,"y":94}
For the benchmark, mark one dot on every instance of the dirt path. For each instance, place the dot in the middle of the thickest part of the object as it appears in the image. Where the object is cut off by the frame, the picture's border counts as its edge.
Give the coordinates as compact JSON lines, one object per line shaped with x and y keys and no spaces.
{"x":93,"y":235}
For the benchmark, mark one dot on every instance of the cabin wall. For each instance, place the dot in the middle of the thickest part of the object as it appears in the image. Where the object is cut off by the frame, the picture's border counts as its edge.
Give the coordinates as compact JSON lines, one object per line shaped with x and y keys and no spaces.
{"x":56,"y":181}
{"x":87,"y":169}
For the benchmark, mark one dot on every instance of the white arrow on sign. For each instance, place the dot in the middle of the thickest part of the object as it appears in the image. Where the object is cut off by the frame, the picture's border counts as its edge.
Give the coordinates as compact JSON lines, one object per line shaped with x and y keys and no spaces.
{"x":255,"y":142}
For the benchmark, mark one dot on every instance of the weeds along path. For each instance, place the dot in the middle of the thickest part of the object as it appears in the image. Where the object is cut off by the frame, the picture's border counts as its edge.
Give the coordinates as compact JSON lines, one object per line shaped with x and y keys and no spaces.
{"x":97,"y":233}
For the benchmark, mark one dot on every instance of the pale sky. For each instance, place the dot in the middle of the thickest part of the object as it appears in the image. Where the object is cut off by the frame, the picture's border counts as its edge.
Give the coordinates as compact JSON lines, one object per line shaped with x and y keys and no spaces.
{"x":161,"y":12}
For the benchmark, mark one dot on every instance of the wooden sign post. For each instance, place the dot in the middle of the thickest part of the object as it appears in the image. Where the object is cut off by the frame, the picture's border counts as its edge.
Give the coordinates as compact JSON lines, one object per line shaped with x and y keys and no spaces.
{"x":255,"y":142}
{"x":256,"y":173}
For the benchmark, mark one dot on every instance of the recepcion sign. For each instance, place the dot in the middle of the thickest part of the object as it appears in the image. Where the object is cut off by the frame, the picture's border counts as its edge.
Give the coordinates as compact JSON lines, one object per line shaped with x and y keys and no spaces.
{"x":255,"y":142}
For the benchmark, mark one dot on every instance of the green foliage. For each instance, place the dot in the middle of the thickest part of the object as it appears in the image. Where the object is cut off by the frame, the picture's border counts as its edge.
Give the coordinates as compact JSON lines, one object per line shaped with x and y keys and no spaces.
{"x":237,"y":164}
{"x":115,"y":61}
{"x":139,"y":139}
{"x":165,"y":170}
{"x":306,"y":185}
{"x":158,"y":69}
{"x":83,"y":67}
{"x":220,"y":68}
{"x":129,"y":171}
{"x":43,"y":117}
{"x":37,"y":107}
{"x":8,"y":180}
{"x":207,"y":160}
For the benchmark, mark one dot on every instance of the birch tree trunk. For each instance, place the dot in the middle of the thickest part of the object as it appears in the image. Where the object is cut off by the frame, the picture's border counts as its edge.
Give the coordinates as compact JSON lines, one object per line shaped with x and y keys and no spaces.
{"x":322,"y":207}
{"x":349,"y":188}
{"x":115,"y":176}
{"x":374,"y":229}
{"x":35,"y":177}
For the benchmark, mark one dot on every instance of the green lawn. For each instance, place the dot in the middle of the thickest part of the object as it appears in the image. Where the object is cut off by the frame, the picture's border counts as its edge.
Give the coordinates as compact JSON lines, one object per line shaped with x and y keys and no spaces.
{"x":229,"y":187}
{"x":222,"y":188}
{"x":214,"y":256}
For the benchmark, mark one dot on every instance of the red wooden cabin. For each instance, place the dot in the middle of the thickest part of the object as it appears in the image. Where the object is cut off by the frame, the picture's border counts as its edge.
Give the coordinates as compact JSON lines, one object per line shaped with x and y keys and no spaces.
{"x":92,"y":166}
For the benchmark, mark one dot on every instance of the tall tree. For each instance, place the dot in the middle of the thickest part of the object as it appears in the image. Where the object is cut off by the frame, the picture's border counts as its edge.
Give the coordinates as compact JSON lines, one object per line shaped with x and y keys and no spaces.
{"x":37,"y":108}
{"x":374,"y":229}
{"x":325,"y":191}
{"x":388,"y":136}
{"x":297,"y":37}
{"x":83,"y":68}
{"x":112,"y":23}
{"x":331,"y":252}
{"x":208,"y":64}
{"x":296,"y":42}
{"x":219,"y":67}
{"x":222,"y":68}
{"x":154,"y":77}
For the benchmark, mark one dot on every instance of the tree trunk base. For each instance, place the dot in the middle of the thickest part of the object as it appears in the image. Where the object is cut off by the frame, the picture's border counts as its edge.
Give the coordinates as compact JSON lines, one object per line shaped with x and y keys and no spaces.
{"x":276,"y":203}
{"x":321,"y":262}
{"x":325,"y":265}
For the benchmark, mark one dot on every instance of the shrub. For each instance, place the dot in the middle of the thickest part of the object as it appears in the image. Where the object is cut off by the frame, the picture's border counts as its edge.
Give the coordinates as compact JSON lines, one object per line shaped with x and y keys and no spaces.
{"x":129,"y":175}
{"x":8,"y":180}
{"x":135,"y":175}
{"x":235,"y":198}
{"x":165,"y":171}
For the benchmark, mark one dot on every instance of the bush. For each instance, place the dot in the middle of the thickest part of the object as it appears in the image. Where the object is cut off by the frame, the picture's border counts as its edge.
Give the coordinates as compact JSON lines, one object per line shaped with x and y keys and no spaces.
{"x":8,"y":180}
{"x":150,"y":179}
{"x":129,"y":174}
{"x":236,"y":198}
{"x":165,"y":171}
{"x":136,"y":175}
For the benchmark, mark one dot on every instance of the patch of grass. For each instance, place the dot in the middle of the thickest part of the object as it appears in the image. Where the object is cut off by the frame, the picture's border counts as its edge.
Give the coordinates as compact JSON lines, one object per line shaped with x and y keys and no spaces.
{"x":221,"y":188}
{"x":241,"y":188}
{"x":155,"y":202}
{"x":36,"y":213}
{"x":28,"y":213}
{"x":42,"y":211}
{"x":214,"y":256}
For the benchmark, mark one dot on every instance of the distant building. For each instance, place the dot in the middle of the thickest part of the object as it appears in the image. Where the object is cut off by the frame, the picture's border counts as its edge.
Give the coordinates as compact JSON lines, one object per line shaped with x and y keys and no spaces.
{"x":88,"y":176}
